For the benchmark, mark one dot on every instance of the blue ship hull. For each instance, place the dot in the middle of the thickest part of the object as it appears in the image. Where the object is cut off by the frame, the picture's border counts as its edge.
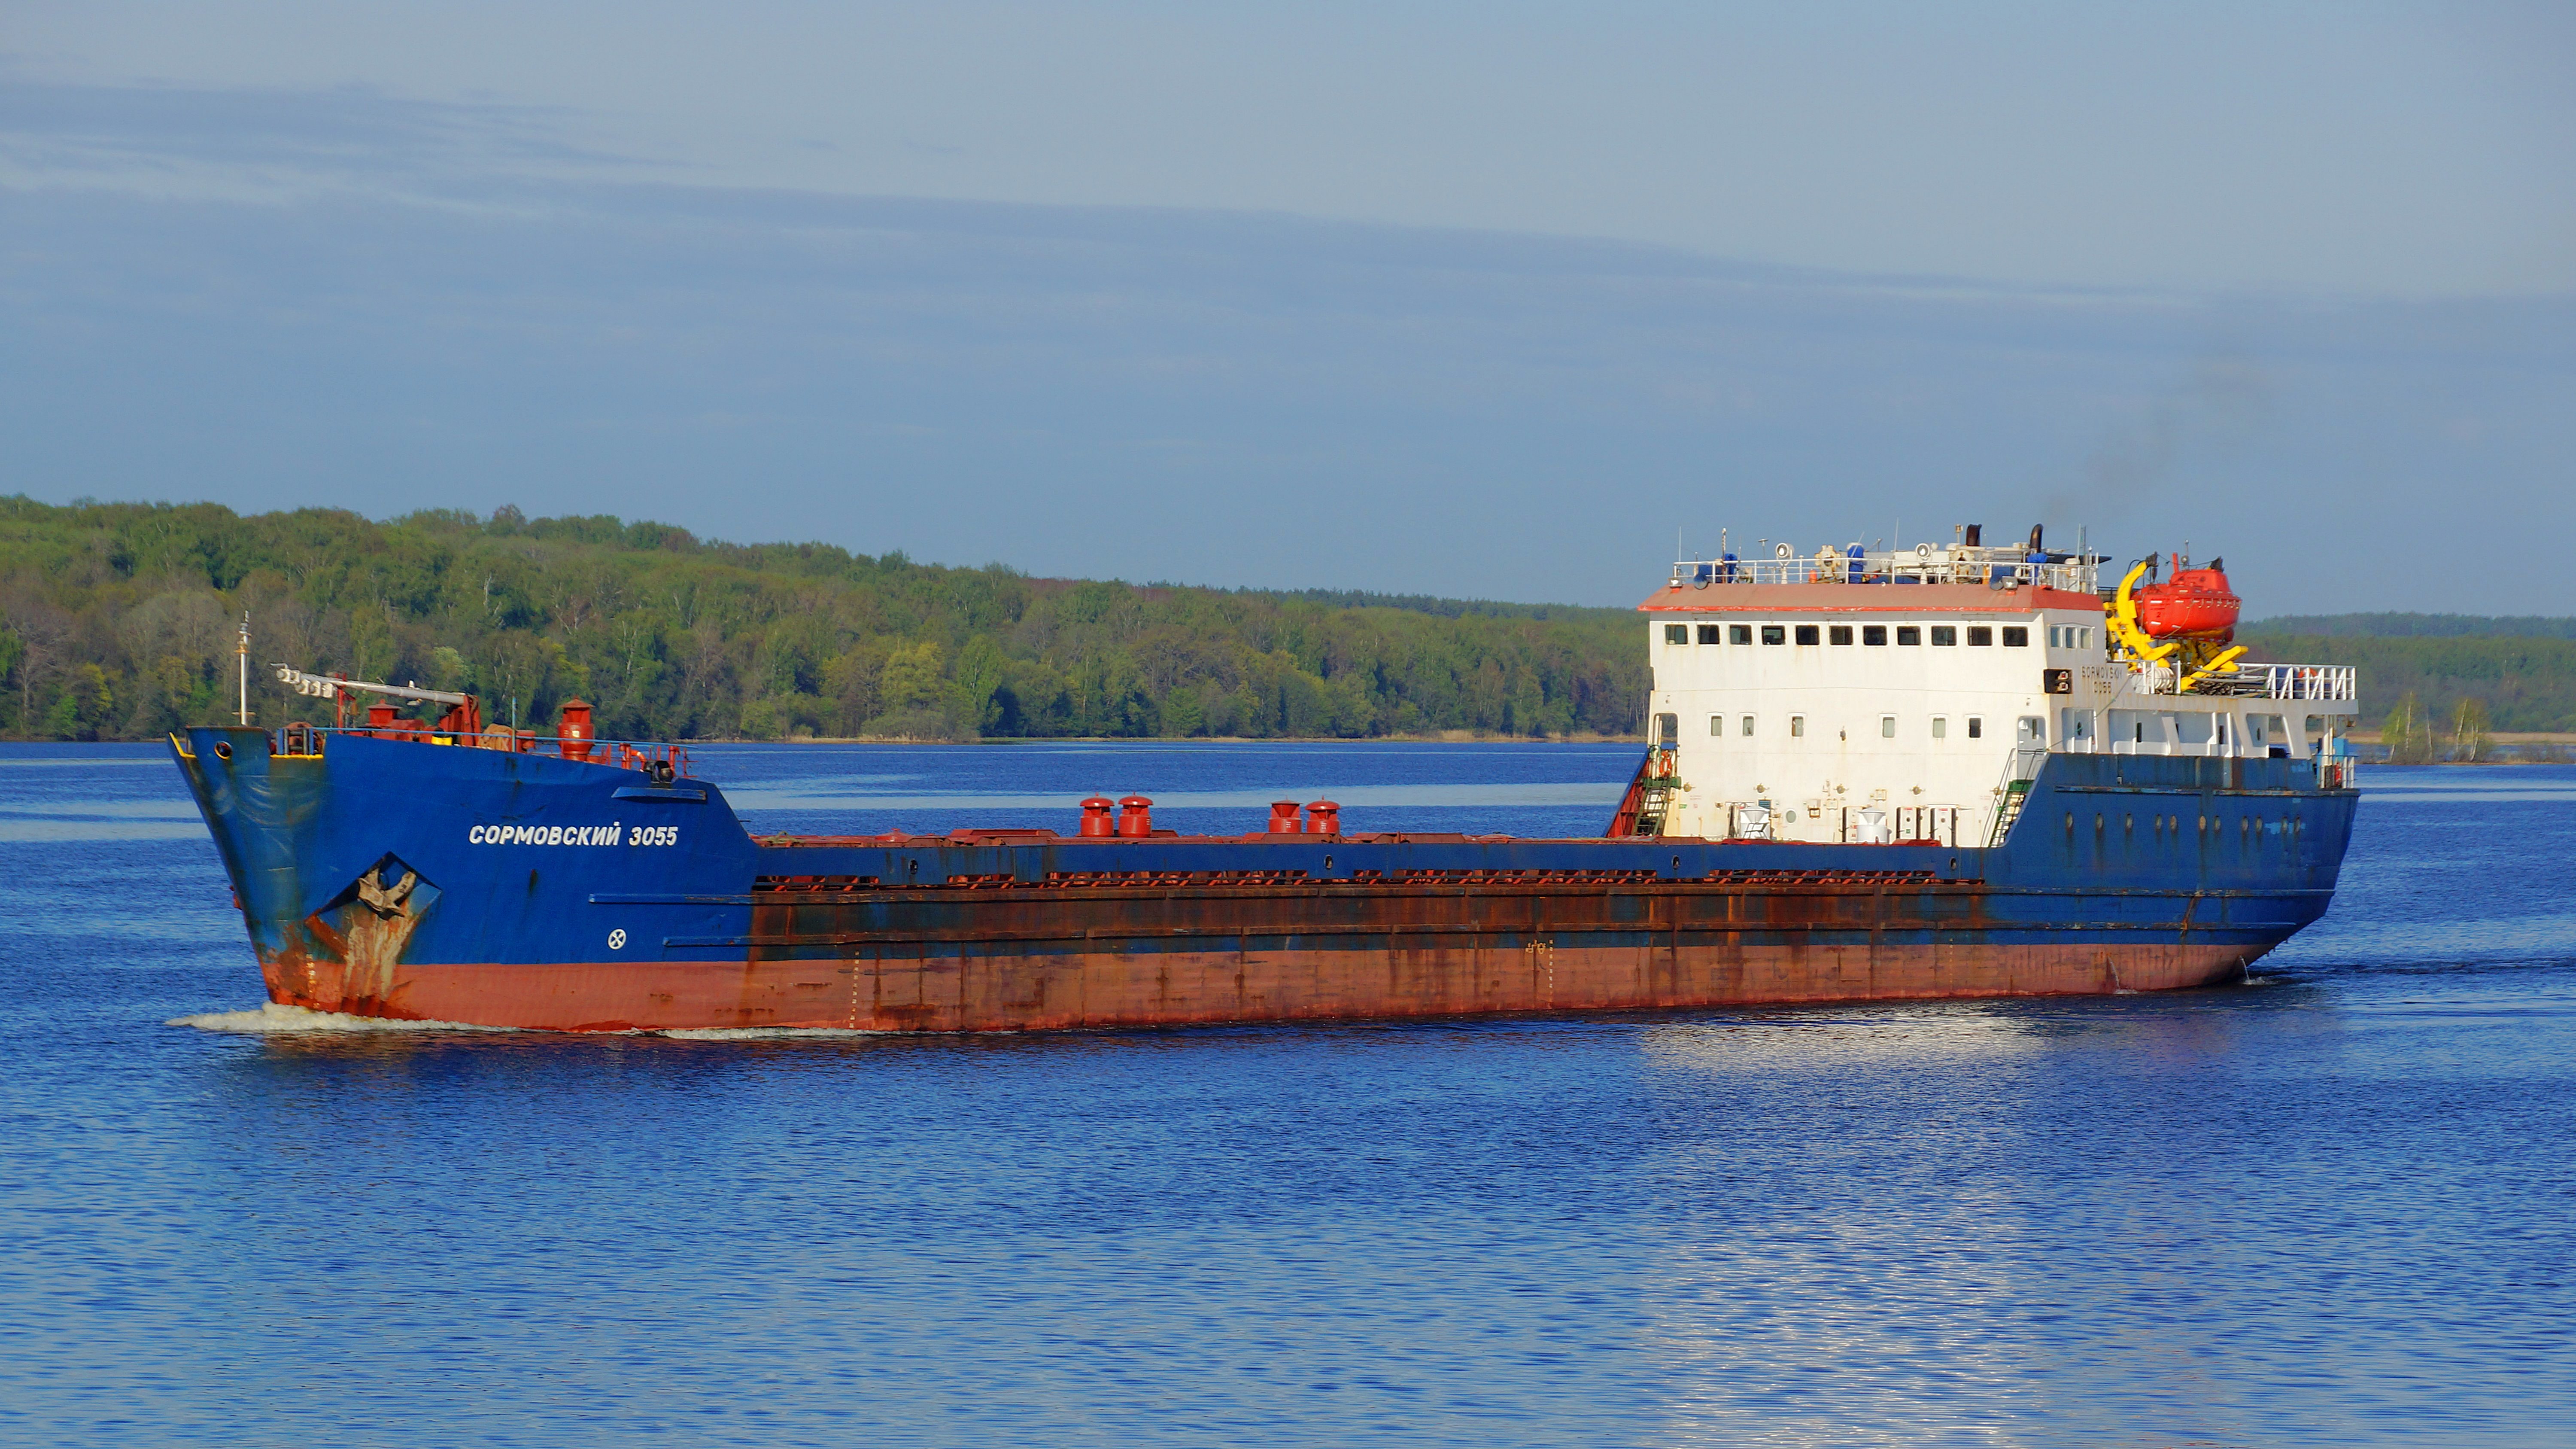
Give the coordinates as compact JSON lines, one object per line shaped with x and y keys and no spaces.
{"x":397,"y":878}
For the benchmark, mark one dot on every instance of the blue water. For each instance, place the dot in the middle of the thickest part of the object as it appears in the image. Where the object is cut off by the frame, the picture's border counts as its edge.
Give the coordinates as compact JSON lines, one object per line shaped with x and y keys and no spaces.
{"x":2332,"y":1207}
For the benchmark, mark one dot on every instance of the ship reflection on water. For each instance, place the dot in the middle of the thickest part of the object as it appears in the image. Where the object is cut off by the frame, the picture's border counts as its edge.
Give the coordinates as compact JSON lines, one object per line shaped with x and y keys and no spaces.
{"x":1954,"y":1223}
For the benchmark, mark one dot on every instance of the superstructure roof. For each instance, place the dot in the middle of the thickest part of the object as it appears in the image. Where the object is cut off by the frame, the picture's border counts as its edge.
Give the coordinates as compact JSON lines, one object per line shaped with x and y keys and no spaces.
{"x":1864,"y":599}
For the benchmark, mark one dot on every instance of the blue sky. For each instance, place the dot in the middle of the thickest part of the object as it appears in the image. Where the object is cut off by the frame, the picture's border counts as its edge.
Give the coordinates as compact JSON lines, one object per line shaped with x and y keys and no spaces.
{"x":1490,"y":300}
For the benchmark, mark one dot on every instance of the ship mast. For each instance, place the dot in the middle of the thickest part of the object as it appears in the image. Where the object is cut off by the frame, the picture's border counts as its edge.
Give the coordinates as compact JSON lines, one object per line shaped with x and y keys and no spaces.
{"x":242,"y":658}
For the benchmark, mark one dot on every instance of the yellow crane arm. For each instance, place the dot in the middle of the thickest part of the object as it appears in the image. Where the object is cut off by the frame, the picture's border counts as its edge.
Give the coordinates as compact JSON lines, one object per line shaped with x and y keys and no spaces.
{"x":2223,"y":661}
{"x":2124,"y":623}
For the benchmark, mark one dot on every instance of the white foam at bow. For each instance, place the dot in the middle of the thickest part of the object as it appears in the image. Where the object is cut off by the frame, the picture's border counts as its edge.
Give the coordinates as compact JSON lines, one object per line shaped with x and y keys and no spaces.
{"x":272,"y":1019}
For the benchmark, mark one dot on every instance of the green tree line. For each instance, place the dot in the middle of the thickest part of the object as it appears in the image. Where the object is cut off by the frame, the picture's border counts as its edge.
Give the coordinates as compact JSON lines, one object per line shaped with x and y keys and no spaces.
{"x":2523,"y":681}
{"x":118,"y":620}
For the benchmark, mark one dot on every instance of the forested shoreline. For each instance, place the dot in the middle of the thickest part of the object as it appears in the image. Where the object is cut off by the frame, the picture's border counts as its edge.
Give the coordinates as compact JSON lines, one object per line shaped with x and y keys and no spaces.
{"x":118,"y":620}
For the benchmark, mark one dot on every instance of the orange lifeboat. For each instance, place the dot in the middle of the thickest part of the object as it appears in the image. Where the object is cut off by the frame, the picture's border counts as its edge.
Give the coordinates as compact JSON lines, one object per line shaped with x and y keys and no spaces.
{"x":2193,"y":604}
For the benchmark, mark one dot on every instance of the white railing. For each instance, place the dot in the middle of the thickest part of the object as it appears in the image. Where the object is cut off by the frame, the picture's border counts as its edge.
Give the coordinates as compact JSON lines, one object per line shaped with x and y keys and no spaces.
{"x":1922,"y":564}
{"x":2309,"y":681}
{"x":2332,"y":682}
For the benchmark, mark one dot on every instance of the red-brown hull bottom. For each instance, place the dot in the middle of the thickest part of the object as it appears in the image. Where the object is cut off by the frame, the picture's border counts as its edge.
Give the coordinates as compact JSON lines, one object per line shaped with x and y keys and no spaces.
{"x":995,"y":991}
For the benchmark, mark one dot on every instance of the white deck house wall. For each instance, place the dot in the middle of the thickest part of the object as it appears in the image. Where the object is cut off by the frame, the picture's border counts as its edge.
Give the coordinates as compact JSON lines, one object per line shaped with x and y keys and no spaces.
{"x":1912,"y":737}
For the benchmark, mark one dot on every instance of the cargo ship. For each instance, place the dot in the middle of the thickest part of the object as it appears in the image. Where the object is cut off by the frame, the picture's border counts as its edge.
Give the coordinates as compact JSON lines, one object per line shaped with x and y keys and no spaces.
{"x":1953,"y":770}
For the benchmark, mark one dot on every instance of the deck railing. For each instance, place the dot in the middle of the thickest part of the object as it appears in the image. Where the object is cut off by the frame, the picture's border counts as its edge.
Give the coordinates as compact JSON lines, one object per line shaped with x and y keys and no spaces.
{"x":1923,"y":564}
{"x":2327,"y":682}
{"x":658,"y":758}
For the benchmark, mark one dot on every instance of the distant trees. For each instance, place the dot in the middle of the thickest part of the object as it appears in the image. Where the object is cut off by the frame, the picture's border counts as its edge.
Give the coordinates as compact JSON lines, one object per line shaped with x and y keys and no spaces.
{"x":2408,"y":734}
{"x":2469,"y":739}
{"x":2524,"y":681}
{"x":116,"y":623}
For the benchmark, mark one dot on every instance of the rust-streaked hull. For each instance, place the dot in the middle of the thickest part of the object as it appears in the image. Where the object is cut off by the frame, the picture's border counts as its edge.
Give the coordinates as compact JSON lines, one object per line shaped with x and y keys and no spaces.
{"x":394,"y":879}
{"x":995,"y":991}
{"x":1054,"y":964}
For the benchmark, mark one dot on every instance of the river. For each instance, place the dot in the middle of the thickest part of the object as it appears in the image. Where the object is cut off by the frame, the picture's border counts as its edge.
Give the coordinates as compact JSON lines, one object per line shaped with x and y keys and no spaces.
{"x":2336,"y":1205}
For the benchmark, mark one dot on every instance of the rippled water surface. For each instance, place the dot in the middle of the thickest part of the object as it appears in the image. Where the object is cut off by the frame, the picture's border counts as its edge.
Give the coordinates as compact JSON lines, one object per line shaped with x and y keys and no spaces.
{"x":2332,"y":1207}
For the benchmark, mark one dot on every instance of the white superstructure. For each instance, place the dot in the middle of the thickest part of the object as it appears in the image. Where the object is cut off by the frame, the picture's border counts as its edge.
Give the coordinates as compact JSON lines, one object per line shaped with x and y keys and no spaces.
{"x":1870,"y":697}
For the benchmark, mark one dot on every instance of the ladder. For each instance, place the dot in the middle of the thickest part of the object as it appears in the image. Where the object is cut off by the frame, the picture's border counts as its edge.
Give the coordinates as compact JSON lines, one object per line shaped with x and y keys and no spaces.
{"x":2020,"y":768}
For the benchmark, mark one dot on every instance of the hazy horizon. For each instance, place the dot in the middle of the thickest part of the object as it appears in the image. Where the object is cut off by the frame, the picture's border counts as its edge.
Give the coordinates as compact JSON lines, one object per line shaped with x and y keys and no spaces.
{"x":1474,"y":303}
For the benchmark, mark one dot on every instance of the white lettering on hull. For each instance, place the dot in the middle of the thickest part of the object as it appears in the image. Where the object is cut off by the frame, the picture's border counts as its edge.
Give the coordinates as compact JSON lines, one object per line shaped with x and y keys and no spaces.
{"x":611,"y":834}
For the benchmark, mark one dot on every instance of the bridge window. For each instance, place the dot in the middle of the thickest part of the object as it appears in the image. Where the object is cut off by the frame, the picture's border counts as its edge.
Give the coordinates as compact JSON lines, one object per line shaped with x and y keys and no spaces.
{"x":1748,"y":726}
{"x":2016,"y":637}
{"x":1980,"y":637}
{"x":1677,"y":633}
{"x":1873,"y":634}
{"x":1711,"y":633}
{"x":1908,"y":635}
{"x":1797,"y":726}
{"x":1716,"y":726}
{"x":1887,"y":727}
{"x":1944,"y":636}
{"x":1840,"y":634}
{"x":1807,"y":633}
{"x":1775,"y":634}
{"x":1976,"y":727}
{"x":1940,"y":727}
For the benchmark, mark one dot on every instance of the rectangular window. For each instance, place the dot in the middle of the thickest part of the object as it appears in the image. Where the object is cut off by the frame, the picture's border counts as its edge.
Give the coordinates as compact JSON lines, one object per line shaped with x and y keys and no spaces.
{"x":1887,"y":727}
{"x":1980,"y":637}
{"x":1739,"y":633}
{"x":2016,"y":637}
{"x":1807,"y":633}
{"x":1797,"y":726}
{"x":1677,"y":633}
{"x":1907,"y":634}
{"x":1748,"y":726}
{"x":1940,"y":728}
{"x":2055,"y":641}
{"x":1775,"y":634}
{"x":1873,"y":634}
{"x":1976,"y":727}
{"x":1839,"y":633}
{"x":1711,"y":633}
{"x":1716,"y":726}
{"x":1944,"y":636}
